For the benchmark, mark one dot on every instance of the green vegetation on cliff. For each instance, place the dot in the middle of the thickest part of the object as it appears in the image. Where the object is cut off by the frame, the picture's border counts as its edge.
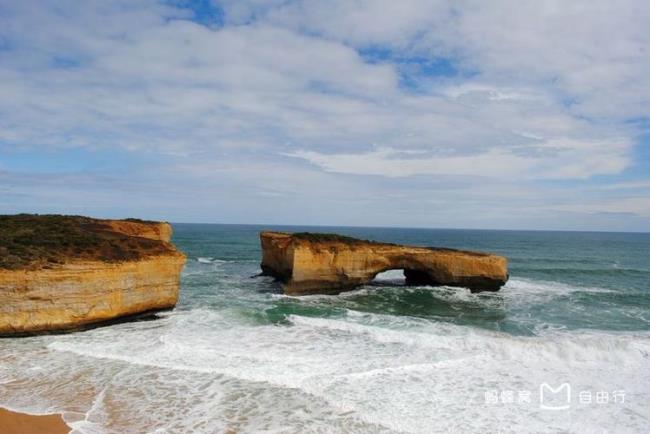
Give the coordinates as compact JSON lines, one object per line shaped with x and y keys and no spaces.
{"x":323,"y":237}
{"x":34,"y":241}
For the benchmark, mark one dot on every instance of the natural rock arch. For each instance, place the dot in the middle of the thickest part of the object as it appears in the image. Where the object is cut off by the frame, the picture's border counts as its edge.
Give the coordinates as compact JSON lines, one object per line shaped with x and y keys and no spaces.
{"x":326,"y":263}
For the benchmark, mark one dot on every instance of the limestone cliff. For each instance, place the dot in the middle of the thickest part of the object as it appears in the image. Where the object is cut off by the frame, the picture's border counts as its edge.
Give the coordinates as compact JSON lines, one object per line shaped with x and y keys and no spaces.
{"x":98,"y":270}
{"x":159,"y":231}
{"x":324,"y":263}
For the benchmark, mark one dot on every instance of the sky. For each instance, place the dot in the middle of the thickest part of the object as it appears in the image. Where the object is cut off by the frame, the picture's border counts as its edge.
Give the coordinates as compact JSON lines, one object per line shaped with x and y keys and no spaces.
{"x":411,"y":113}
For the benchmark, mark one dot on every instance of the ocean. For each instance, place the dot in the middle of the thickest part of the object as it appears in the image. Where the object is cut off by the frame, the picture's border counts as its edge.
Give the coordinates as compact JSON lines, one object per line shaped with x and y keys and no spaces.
{"x":563,"y":347}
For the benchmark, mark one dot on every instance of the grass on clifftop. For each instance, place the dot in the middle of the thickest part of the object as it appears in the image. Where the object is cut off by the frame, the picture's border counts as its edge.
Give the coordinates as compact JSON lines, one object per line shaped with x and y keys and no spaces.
{"x":42,"y":241}
{"x":324,"y":237}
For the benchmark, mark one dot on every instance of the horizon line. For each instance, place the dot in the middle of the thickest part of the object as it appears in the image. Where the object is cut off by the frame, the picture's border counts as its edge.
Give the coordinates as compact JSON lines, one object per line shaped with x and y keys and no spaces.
{"x":411,"y":227}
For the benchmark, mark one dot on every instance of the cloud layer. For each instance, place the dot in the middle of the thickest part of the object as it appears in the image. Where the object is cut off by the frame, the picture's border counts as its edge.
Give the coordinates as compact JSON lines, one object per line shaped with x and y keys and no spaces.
{"x":307,"y":105}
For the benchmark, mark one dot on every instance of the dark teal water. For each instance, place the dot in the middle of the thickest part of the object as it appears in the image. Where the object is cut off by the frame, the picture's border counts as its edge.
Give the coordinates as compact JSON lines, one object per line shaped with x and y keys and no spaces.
{"x":571,"y":280}
{"x":237,"y":355}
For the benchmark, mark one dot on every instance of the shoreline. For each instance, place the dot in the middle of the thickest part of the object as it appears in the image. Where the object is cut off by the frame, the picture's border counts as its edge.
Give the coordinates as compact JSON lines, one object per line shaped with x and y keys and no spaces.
{"x":13,"y":422}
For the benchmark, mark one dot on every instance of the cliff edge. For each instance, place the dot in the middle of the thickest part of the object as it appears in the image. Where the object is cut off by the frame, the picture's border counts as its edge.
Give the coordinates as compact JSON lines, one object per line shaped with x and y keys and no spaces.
{"x":309,"y":263}
{"x":64,"y":272}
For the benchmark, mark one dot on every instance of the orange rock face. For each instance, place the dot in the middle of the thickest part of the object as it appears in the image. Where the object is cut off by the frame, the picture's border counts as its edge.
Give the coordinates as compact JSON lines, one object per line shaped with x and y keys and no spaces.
{"x":77,"y":293}
{"x":313,"y":263}
{"x":159,"y":231}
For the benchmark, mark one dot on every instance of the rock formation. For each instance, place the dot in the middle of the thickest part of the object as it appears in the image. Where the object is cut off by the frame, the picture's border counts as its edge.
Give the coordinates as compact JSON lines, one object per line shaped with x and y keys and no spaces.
{"x":61,"y":272}
{"x":158,"y":231}
{"x":326,"y":263}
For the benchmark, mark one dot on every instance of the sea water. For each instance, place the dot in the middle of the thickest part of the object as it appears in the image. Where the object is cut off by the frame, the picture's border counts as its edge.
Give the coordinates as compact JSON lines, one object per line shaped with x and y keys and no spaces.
{"x":563,"y":347}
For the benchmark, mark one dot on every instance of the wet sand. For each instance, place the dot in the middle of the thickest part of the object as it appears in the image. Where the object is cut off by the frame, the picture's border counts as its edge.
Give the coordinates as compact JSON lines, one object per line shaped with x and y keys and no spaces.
{"x":21,"y":423}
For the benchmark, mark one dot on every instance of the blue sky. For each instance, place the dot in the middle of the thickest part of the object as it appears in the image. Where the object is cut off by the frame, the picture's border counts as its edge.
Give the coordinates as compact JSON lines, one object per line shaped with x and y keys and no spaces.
{"x":511,"y":115}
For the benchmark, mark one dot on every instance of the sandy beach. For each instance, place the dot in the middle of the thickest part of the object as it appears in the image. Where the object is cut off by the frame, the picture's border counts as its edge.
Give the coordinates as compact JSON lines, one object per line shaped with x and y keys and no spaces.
{"x":21,"y":423}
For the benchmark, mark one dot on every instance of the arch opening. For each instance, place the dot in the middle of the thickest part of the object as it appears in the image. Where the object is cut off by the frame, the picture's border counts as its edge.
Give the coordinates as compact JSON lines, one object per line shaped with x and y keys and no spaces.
{"x":403,"y":277}
{"x":391,"y":277}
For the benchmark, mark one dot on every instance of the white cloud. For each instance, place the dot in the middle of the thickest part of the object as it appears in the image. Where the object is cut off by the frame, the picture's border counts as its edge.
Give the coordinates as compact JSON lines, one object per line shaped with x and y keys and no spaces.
{"x":567,"y":159}
{"x":393,"y":163}
{"x":492,"y":93}
{"x":544,"y":92}
{"x":593,"y":53}
{"x":360,"y":22}
{"x":631,"y":185}
{"x":630,"y":205}
{"x":177,"y":87}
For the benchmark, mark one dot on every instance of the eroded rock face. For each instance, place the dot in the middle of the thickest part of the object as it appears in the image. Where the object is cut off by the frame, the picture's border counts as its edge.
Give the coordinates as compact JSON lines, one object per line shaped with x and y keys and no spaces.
{"x":322,"y":263}
{"x":78,"y":292}
{"x":159,"y":231}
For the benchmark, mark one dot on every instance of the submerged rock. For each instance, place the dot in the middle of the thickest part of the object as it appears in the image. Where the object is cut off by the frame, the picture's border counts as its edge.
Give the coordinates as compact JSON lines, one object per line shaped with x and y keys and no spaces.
{"x":64,"y":272}
{"x":326,"y":263}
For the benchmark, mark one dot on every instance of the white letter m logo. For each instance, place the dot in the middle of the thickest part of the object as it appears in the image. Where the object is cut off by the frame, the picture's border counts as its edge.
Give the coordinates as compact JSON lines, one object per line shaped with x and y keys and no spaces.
{"x":555,"y":398}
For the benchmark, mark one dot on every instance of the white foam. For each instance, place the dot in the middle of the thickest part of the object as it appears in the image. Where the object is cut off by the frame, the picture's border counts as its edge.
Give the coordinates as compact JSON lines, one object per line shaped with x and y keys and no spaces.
{"x":374,"y":371}
{"x":529,"y":286}
{"x":207,"y":371}
{"x":390,"y":276}
{"x":210,"y":260}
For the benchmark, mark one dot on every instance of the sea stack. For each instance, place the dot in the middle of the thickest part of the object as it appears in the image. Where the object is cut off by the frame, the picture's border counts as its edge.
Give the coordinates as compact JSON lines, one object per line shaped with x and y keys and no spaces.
{"x":65,"y":272}
{"x":310,"y":263}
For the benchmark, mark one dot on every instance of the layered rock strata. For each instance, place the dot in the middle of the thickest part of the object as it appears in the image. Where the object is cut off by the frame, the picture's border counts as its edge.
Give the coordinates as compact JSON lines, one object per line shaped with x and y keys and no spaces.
{"x":326,"y":263}
{"x":119,"y":268}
